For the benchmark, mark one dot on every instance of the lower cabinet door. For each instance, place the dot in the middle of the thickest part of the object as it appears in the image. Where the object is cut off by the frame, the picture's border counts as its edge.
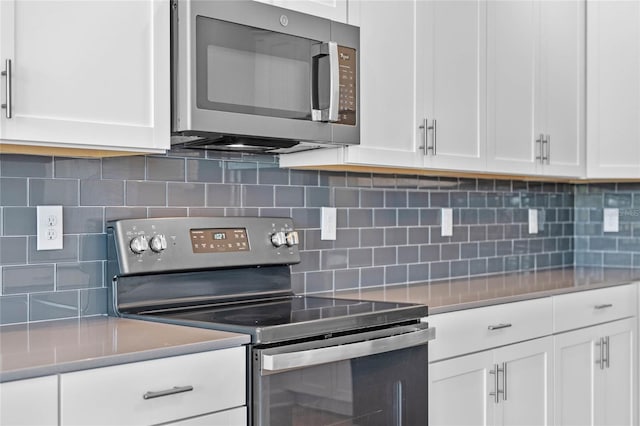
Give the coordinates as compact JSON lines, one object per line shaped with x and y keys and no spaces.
{"x":594,"y":377}
{"x":462,"y":390}
{"x":574,"y":377}
{"x":235,"y":417}
{"x":525,"y":383}
{"x":459,"y":391}
{"x":29,"y":402}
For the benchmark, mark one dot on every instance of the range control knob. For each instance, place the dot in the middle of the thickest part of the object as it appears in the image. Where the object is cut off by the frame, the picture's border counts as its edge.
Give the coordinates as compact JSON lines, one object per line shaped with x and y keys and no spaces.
{"x":158,"y":243}
{"x":278,"y":239}
{"x":139,"y":244}
{"x":292,"y":238}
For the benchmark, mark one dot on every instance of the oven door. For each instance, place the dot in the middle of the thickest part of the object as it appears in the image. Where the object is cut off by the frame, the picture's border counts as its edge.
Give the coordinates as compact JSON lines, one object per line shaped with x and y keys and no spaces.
{"x":375,"y":378}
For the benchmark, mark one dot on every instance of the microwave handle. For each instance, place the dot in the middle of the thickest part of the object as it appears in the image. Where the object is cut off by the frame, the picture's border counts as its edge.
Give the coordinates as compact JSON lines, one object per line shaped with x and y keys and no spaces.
{"x":329,"y":114}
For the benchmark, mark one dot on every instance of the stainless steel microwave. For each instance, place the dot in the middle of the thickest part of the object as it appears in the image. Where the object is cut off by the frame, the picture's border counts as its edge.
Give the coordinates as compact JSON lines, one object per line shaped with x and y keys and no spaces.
{"x":251,"y":76}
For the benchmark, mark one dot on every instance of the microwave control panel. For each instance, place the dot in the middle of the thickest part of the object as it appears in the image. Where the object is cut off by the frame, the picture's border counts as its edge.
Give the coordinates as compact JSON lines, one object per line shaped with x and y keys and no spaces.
{"x":347,"y":63}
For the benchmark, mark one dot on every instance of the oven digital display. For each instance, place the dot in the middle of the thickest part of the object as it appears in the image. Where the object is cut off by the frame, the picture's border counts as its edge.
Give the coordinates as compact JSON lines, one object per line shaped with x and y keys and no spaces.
{"x":219,"y":240}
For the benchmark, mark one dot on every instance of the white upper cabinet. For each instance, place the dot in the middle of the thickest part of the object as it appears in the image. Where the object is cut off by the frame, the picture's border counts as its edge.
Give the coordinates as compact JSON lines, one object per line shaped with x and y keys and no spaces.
{"x":450,"y":86}
{"x":535,"y":87}
{"x":335,"y":10}
{"x":613,"y":84}
{"x":511,"y":58}
{"x":389,"y":134}
{"x":86,"y":74}
{"x":388,"y":128}
{"x":469,"y":86}
{"x":561,"y":116}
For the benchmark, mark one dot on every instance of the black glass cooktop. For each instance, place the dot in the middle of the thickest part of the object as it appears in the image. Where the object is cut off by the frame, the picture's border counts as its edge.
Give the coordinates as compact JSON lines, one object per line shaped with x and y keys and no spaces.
{"x":292,"y":317}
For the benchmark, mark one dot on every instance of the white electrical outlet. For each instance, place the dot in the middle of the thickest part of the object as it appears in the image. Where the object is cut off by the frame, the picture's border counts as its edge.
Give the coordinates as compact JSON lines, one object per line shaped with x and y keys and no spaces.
{"x":611,"y":222}
{"x":533,"y":221}
{"x":328,"y":223}
{"x":49,"y":227}
{"x":446,"y":230}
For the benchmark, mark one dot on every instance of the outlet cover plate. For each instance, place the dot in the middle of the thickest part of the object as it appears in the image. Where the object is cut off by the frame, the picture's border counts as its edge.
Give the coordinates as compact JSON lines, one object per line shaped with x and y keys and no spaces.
{"x":533,"y":221}
{"x":328,"y":223}
{"x":611,"y":222}
{"x":49,"y":227}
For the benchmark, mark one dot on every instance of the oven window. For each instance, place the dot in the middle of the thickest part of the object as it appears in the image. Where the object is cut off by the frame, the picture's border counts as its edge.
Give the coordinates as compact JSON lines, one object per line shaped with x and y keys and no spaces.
{"x":388,"y":389}
{"x":252,"y":71}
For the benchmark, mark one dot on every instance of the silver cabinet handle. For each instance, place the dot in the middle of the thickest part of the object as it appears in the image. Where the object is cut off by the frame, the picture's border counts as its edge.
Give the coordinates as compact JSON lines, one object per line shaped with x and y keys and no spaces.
{"x":539,"y":143}
{"x":319,"y":111}
{"x":546,"y":153}
{"x":499,"y":326}
{"x":495,"y":393}
{"x":172,"y":391}
{"x":426,"y":128}
{"x":504,"y":381}
{"x":496,"y":382}
{"x":7,"y":73}
{"x":425,"y":135}
{"x":601,"y":361}
{"x":434,"y":128}
{"x":604,"y":306}
{"x":606,"y":359}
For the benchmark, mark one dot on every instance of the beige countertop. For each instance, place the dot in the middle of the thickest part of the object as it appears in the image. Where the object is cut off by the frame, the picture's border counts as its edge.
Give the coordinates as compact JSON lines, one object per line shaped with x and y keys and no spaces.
{"x":51,"y":347}
{"x":452,"y":295}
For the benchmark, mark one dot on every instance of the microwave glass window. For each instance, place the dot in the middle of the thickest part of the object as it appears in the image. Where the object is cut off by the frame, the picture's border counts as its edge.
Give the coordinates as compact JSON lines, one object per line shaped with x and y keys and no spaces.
{"x":252,"y":71}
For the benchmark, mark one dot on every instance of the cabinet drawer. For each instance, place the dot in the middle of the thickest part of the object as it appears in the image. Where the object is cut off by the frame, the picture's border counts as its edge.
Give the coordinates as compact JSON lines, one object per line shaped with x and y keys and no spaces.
{"x":18,"y":400}
{"x":584,"y":308}
{"x":130,"y":393}
{"x":472,"y":330}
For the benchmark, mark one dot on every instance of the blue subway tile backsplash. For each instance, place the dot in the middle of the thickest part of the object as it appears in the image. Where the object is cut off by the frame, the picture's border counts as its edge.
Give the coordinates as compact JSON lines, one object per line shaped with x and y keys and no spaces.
{"x":388,"y":225}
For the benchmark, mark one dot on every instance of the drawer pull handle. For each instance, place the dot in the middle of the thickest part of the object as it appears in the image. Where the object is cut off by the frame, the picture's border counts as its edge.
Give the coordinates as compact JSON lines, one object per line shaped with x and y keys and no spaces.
{"x":172,"y":391}
{"x":498,"y":327}
{"x":604,"y":306}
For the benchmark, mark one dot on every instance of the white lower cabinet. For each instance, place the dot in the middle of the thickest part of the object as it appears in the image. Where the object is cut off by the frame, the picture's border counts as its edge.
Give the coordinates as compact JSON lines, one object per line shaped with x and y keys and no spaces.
{"x":595,"y":375}
{"x":29,"y":402}
{"x":567,"y":360}
{"x":157,"y":391}
{"x":510,"y":385}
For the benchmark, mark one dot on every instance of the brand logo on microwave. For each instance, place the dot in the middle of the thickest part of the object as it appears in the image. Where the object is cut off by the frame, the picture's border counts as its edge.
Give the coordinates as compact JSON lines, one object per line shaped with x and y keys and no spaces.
{"x":344,"y":57}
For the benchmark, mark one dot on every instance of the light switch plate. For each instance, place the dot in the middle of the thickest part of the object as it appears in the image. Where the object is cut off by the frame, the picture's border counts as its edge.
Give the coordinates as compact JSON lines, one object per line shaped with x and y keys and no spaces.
{"x":49,"y":227}
{"x":611,"y":222}
{"x":328,"y":223}
{"x":446,"y":222}
{"x":533,"y":221}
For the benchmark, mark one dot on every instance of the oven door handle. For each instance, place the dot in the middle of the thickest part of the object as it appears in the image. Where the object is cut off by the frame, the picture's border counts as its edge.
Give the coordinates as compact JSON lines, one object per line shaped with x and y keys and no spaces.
{"x":307,"y":358}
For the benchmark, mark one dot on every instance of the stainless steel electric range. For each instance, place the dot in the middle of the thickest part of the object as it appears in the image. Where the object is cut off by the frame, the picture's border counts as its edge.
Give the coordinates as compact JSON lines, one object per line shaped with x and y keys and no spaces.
{"x":312,"y":360}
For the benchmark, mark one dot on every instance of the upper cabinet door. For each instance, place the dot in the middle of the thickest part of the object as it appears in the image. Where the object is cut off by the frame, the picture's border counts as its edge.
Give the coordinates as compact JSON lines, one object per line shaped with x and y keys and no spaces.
{"x":389,"y":132}
{"x":562,"y":87}
{"x":451,"y":91}
{"x":536,"y":87}
{"x":87,"y":74}
{"x":512,"y":52}
{"x":335,"y":10}
{"x":613,"y":84}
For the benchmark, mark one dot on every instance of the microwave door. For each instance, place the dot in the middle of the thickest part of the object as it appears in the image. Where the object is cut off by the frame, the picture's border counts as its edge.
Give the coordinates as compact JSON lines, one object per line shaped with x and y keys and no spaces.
{"x":238,"y":71}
